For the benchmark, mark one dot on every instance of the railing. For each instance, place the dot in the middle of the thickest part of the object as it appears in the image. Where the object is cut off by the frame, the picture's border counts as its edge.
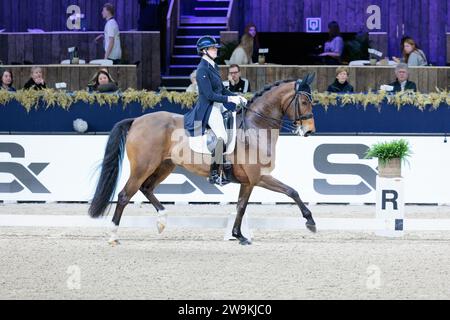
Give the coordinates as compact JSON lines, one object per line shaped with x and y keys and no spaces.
{"x":173,"y":20}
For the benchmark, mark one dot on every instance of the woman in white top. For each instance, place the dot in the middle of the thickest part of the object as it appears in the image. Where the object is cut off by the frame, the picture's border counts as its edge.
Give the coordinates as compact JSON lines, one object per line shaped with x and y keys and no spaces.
{"x":412,"y":55}
{"x":243,"y":53}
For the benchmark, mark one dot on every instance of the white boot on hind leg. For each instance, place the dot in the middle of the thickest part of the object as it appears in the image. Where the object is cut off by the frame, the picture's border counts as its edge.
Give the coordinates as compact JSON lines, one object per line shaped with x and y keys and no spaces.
{"x":161,"y":220}
{"x":113,"y":239}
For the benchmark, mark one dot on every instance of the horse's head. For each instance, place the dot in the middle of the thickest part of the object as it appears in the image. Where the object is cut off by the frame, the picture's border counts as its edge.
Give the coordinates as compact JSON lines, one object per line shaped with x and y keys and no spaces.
{"x":298,"y":106}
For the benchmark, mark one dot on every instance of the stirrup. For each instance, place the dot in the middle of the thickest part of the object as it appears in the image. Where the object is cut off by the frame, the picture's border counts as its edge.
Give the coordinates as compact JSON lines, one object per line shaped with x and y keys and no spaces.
{"x":222,"y":179}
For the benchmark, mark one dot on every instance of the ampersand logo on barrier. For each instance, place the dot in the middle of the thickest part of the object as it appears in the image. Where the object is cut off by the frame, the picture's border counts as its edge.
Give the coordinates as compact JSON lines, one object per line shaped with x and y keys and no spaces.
{"x":24,"y":177}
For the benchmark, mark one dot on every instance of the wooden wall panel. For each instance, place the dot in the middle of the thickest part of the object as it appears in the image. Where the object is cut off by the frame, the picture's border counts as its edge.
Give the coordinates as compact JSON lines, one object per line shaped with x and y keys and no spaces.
{"x":51,"y":48}
{"x":362,"y":78}
{"x":76,"y":77}
{"x":50,"y":15}
{"x":398,"y":18}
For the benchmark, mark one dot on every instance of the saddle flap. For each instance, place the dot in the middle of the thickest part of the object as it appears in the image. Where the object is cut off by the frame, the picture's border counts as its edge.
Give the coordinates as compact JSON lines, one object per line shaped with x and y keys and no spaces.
{"x":207,"y":143}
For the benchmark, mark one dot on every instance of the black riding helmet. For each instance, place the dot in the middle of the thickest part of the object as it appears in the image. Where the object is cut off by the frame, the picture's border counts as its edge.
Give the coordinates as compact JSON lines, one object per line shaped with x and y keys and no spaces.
{"x":206,"y":42}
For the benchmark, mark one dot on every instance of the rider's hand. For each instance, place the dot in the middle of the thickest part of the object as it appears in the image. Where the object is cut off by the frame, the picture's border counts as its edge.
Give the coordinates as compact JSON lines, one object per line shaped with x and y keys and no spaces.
{"x":243,"y":100}
{"x":234,"y":99}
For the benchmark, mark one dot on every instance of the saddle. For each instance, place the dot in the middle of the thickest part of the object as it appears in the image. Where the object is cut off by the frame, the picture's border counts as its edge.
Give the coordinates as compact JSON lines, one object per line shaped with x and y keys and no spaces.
{"x":207,"y":143}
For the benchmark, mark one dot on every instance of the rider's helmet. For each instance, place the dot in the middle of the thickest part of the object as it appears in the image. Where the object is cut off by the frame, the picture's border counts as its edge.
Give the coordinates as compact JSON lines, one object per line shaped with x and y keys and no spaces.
{"x":206,"y":42}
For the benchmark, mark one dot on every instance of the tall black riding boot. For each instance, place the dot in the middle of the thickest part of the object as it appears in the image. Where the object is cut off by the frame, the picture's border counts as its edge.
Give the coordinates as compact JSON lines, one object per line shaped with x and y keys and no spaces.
{"x":213,"y":171}
{"x":217,"y":173}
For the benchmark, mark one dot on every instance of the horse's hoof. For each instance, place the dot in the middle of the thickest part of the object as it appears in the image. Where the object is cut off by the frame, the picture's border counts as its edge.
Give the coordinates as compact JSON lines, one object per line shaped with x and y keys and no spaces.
{"x":160,"y":227}
{"x":161,"y":222}
{"x":311,"y":227}
{"x":245,"y":242}
{"x":113,"y":242}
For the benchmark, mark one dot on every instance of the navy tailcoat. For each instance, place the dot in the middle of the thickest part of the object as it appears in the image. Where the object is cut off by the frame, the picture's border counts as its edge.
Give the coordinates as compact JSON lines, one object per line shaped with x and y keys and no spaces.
{"x":210,"y":90}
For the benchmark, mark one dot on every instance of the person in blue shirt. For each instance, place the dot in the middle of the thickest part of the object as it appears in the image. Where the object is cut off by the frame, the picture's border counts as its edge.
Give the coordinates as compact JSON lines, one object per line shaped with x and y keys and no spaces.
{"x":212,"y":95}
{"x":334,"y":47}
{"x":6,"y":81}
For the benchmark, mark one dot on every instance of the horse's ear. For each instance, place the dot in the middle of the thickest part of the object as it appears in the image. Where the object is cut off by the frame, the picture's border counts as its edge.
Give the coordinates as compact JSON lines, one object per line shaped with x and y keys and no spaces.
{"x":310,"y":78}
{"x":303,"y":81}
{"x":298,"y":84}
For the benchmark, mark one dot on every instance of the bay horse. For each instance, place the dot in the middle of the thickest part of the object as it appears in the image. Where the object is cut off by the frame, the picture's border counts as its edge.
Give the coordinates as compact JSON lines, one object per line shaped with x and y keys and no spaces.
{"x":152,"y":154}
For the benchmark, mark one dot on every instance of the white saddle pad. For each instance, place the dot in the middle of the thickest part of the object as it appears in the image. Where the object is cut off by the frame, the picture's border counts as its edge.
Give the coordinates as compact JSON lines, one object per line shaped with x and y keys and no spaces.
{"x":199,"y":144}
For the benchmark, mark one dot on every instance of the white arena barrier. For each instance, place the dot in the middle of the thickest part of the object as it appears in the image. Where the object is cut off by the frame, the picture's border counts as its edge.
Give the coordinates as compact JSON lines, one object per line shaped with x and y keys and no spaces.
{"x":329,"y":169}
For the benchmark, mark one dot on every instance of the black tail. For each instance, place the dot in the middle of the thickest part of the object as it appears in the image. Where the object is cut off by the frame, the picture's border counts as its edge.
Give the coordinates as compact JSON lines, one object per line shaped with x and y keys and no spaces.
{"x":112,"y":162}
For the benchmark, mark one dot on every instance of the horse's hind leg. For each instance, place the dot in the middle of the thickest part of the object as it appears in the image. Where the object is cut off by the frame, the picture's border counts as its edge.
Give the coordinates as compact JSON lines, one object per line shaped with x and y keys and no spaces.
{"x":148,"y":187}
{"x":131,"y":187}
{"x":270,"y":183}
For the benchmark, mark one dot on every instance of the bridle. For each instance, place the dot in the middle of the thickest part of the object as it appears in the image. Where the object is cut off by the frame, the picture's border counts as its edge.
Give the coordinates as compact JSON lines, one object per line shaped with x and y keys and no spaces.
{"x":298,"y":117}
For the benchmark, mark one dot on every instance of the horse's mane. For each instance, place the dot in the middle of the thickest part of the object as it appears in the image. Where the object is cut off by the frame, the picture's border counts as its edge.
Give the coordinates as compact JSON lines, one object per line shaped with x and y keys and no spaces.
{"x":267,"y":88}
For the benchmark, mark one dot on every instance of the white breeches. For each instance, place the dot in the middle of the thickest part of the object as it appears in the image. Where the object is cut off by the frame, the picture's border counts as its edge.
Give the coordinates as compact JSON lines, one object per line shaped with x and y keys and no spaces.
{"x":216,"y":122}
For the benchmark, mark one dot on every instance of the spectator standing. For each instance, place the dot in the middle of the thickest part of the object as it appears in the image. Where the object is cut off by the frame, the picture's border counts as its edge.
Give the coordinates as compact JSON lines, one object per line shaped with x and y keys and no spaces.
{"x":112,"y":46}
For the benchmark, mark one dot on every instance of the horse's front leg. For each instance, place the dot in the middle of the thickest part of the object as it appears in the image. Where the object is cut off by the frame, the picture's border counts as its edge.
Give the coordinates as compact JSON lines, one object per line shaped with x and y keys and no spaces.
{"x":270,"y":183}
{"x":244,"y":195}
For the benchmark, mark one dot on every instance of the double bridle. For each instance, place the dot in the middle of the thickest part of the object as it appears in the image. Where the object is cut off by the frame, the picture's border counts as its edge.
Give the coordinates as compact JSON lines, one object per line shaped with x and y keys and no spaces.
{"x":298,"y":116}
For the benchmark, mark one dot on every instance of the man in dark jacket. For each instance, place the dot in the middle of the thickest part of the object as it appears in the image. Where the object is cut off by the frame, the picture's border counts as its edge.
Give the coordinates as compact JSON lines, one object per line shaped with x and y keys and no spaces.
{"x":235,"y":83}
{"x":402,"y":83}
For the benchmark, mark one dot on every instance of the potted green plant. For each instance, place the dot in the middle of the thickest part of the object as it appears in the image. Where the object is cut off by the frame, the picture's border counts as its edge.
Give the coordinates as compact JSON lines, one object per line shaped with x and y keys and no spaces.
{"x":390,"y":157}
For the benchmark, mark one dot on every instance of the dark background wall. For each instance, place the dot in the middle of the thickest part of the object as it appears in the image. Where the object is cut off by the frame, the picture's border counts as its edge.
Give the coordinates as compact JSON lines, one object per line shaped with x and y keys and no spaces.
{"x":49,"y":15}
{"x":427,"y":21}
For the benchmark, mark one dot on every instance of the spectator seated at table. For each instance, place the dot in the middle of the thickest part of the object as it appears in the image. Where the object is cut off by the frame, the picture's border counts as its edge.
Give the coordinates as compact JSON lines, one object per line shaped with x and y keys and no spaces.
{"x":103,"y":82}
{"x":340,"y":84}
{"x":243,"y":53}
{"x":6,"y":80}
{"x":402,"y":83}
{"x":193,"y":87}
{"x":334,"y":47}
{"x":251,"y":30}
{"x":36,"y":81}
{"x":412,"y":55}
{"x":235,"y":83}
